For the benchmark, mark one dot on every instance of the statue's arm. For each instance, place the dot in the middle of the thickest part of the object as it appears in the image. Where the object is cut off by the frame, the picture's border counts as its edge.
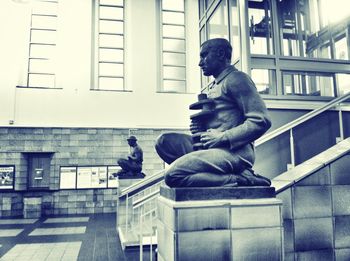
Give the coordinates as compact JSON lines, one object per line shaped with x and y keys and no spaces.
{"x":256,"y":121}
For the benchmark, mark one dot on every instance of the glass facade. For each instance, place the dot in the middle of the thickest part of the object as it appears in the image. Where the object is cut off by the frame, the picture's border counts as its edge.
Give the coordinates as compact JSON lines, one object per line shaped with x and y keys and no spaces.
{"x":294,"y":48}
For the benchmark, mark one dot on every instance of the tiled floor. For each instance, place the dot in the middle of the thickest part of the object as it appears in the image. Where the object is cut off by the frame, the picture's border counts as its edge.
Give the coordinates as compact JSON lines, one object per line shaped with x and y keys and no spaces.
{"x":70,"y":238}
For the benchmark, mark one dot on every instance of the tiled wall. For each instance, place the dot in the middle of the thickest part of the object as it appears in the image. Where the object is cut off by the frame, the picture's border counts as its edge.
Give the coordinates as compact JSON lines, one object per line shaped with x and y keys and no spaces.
{"x":316,"y":214}
{"x":70,"y":146}
{"x":60,"y":202}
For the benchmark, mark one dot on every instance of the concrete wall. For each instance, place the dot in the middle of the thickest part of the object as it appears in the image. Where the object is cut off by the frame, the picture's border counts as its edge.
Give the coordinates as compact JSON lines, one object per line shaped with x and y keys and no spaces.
{"x":63,"y":202}
{"x":316,"y":215}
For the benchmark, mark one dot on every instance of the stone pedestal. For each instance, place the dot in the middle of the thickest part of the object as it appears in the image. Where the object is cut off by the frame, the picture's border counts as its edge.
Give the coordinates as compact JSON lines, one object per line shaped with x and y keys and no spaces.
{"x":32,"y":207}
{"x":224,"y":224}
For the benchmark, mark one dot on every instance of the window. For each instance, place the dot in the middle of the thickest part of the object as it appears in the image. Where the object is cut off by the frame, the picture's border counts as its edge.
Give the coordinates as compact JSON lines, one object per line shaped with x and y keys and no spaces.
{"x":173,"y":46}
{"x":110,"y":45}
{"x":42,"y":45}
{"x":308,"y":84}
{"x":265,"y":81}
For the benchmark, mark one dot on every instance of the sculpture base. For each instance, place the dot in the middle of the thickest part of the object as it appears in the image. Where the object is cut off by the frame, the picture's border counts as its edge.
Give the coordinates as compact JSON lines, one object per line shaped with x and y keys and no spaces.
{"x":210,"y":193}
{"x":216,"y":227}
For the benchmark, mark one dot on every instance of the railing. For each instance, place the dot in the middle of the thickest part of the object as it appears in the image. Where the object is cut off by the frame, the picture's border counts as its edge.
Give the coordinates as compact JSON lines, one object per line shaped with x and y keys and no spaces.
{"x":140,"y":212}
{"x":289,"y":126}
{"x":141,"y":197}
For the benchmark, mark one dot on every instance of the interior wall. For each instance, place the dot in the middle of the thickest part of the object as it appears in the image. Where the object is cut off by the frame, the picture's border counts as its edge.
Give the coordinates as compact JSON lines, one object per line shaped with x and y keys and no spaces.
{"x":74,"y":104}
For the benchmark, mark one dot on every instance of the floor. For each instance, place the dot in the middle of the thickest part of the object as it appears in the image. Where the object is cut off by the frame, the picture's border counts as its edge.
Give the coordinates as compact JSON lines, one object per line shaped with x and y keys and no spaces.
{"x":70,"y":238}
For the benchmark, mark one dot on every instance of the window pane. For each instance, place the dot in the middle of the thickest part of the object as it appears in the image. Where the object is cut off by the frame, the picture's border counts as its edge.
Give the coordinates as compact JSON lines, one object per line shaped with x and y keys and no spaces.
{"x":112,"y":2}
{"x":173,"y":18}
{"x":174,"y":31}
{"x":264,"y":81}
{"x":111,"y":41}
{"x":42,"y":36}
{"x":343,"y":81}
{"x":174,"y":73}
{"x":111,"y":55}
{"x":218,"y":22}
{"x":107,"y":12}
{"x":308,"y":84}
{"x":111,"y":27}
{"x":111,"y":83}
{"x":341,"y":49}
{"x":41,"y":80}
{"x":41,"y":51}
{"x":260,"y":27}
{"x":111,"y":69}
{"x":235,"y":30}
{"x":174,"y":86}
{"x":44,"y":22}
{"x":42,"y":66}
{"x":174,"y":45}
{"x":177,"y":5}
{"x":45,"y":8}
{"x":174,"y":58}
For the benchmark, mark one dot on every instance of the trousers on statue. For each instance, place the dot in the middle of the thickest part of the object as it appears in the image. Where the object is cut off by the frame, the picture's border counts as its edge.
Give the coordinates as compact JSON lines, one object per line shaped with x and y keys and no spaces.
{"x":201,"y":168}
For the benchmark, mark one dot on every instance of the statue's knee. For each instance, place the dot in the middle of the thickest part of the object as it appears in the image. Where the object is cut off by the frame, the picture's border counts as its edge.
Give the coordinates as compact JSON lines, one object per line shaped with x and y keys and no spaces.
{"x":160,"y":140}
{"x":169,"y":179}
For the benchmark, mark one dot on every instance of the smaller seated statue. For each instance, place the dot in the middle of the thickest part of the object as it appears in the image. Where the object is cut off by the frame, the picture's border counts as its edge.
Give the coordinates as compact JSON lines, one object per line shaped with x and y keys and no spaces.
{"x":132,"y":164}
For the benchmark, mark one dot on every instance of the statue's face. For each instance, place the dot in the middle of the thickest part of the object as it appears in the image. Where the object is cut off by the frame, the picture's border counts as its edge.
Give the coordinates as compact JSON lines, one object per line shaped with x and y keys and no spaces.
{"x":209,"y":60}
{"x":131,"y":142}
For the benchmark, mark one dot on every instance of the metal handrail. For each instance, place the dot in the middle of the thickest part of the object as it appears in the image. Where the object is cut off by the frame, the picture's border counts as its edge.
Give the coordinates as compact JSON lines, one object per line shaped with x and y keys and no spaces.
{"x":270,"y":135}
{"x":149,"y":179}
{"x":145,"y":199}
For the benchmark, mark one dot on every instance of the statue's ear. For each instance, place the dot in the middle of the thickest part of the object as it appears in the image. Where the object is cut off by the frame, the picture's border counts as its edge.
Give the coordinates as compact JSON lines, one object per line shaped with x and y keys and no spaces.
{"x":221,"y":53}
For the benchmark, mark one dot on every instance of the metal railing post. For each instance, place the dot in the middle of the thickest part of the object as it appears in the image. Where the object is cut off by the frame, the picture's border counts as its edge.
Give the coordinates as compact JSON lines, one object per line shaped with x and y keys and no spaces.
{"x":141,"y":233}
{"x":292,"y":152}
{"x":126,"y":213}
{"x":341,"y":127}
{"x":150,"y":246}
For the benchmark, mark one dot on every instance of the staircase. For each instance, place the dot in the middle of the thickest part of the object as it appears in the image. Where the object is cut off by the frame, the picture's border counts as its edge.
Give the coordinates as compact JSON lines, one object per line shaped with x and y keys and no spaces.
{"x":303,"y":182}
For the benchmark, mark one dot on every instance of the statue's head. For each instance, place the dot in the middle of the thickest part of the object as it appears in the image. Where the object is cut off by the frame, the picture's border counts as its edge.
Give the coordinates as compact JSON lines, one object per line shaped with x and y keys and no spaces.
{"x":215,"y":55}
{"x":131,"y":140}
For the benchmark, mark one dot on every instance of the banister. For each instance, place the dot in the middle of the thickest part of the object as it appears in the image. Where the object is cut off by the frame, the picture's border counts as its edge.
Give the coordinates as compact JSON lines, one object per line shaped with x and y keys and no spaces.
{"x":149,"y":180}
{"x":270,"y":135}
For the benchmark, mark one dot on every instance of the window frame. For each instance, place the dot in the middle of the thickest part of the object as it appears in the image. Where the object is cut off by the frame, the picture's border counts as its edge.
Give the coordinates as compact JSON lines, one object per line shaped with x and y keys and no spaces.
{"x":162,"y":64}
{"x":97,"y":47}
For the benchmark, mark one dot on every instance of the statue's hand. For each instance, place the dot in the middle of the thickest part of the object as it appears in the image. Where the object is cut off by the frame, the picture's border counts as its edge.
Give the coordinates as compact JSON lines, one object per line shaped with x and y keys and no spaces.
{"x":212,"y":138}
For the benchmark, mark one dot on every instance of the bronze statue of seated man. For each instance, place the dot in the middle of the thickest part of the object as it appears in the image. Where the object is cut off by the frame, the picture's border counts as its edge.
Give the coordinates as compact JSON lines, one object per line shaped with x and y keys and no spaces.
{"x":223,"y":154}
{"x":132,"y":165}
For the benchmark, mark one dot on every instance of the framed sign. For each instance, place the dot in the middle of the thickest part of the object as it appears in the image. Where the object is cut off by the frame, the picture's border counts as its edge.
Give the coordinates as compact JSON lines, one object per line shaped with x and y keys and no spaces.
{"x":87,"y":177}
{"x":7,"y":176}
{"x":68,"y":177}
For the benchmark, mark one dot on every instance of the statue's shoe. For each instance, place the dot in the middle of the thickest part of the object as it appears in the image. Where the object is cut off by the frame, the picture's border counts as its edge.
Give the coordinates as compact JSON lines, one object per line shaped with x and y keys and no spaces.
{"x":252,"y":179}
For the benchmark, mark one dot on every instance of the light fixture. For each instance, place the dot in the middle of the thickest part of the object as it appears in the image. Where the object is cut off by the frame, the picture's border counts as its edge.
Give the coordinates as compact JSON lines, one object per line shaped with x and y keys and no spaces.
{"x":21,"y":1}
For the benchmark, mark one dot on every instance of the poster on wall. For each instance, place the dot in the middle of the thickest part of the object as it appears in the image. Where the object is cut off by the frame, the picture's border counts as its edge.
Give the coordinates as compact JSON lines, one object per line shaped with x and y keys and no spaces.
{"x":68,"y":176}
{"x":99,"y":177}
{"x":92,"y":177}
{"x":113,"y":181}
{"x":7,"y":174}
{"x":84,"y":177}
